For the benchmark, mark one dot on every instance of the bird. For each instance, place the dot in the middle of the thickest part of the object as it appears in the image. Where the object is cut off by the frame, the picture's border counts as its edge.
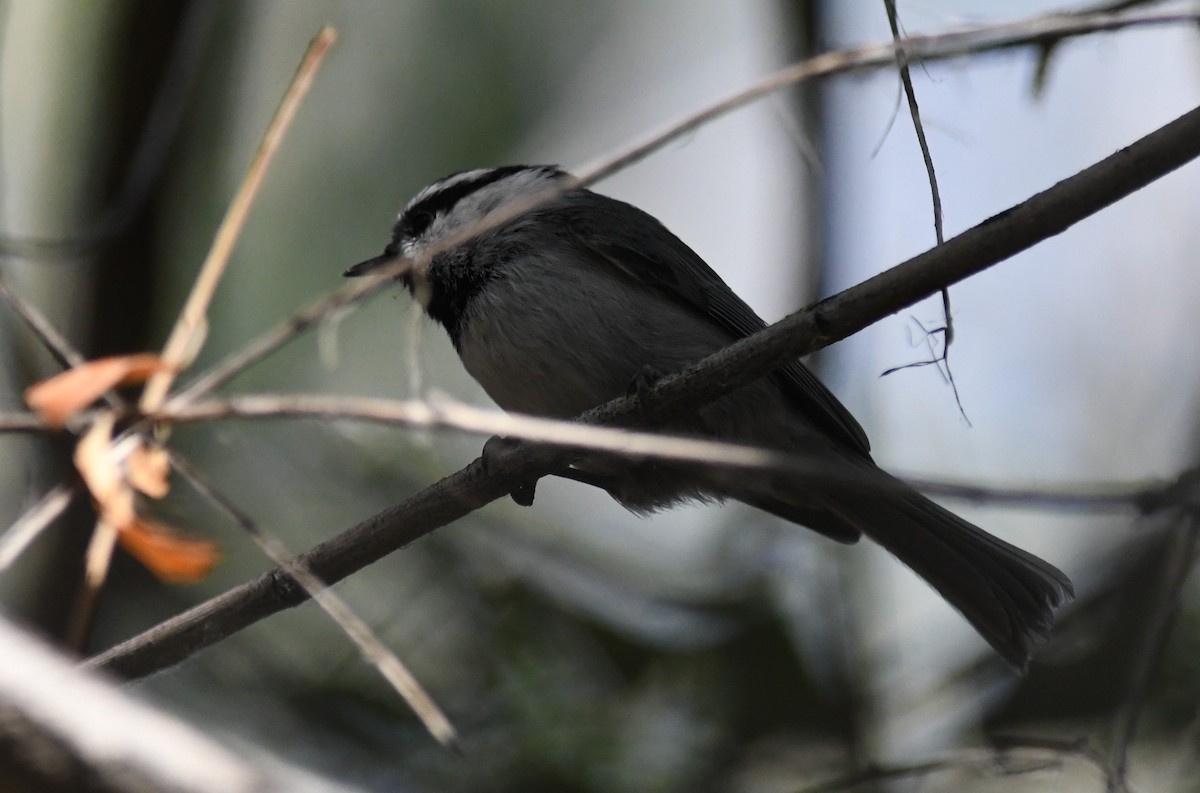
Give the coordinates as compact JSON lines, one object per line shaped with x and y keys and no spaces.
{"x":558,"y":299}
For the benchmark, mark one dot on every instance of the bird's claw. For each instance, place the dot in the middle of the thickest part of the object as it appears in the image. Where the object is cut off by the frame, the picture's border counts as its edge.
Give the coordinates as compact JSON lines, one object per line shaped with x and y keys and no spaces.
{"x":495,"y":447}
{"x":645,"y":379}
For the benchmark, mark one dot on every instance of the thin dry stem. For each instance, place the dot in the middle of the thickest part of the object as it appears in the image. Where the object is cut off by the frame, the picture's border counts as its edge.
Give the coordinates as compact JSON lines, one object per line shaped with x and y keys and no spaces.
{"x":914,"y":110}
{"x":30,"y":525}
{"x":931,"y":47}
{"x":23,"y":422}
{"x":190,"y":326}
{"x":440,"y":410}
{"x":372,"y":649}
{"x":97,"y":560}
{"x":42,"y":328}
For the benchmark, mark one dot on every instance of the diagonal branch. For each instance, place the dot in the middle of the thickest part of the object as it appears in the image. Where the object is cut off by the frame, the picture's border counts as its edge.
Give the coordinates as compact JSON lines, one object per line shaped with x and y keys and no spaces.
{"x":1044,"y":215}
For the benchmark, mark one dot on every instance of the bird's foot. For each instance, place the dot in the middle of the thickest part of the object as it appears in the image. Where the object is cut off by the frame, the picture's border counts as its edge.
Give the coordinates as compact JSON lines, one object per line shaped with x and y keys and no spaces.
{"x":496,"y":447}
{"x":645,"y":379}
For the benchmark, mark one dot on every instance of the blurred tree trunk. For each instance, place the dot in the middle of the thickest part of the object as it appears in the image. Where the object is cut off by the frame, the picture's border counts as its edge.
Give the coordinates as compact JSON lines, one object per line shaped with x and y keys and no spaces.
{"x":81,"y":166}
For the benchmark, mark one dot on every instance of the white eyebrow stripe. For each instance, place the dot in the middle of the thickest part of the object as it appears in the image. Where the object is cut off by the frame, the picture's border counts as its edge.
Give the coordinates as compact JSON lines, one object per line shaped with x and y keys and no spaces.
{"x":446,"y":184}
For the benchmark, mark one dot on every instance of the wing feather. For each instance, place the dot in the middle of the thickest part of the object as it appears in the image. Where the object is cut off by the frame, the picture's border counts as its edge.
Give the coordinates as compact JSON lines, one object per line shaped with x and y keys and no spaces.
{"x":645,"y":250}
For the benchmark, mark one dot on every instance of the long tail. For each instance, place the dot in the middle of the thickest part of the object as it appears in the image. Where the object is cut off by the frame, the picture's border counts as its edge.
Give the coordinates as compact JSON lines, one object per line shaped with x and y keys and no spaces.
{"x":1007,"y":594}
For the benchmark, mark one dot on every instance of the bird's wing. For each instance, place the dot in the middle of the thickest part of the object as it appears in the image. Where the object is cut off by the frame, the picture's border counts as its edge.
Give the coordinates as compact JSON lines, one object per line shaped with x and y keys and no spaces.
{"x":638,"y":245}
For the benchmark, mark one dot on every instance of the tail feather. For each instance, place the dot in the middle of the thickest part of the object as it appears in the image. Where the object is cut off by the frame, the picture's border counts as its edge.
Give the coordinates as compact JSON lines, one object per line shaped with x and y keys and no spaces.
{"x":1007,"y":594}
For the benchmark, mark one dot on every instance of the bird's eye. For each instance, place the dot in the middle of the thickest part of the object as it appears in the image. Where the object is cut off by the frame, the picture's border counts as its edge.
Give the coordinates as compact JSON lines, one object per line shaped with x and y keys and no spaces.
{"x":416,"y":222}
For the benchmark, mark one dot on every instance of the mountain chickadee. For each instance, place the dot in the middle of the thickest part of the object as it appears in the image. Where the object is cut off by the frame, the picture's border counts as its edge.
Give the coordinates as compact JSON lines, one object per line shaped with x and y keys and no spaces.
{"x":564,"y":306}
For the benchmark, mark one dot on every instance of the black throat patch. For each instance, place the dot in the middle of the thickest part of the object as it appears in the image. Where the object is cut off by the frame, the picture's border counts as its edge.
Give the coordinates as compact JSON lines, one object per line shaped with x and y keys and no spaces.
{"x":455,"y":279}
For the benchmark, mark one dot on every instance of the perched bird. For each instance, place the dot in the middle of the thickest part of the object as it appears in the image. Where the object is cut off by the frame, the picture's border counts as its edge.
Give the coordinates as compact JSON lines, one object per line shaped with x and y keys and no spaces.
{"x":565,"y":305}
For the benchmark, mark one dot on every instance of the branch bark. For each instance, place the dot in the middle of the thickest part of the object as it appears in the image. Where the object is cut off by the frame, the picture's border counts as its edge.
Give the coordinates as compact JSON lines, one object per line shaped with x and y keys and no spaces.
{"x":1044,"y":215}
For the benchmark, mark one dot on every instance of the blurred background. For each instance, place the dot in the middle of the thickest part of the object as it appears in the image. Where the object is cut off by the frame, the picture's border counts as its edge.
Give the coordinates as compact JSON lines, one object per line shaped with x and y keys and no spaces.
{"x":576,"y":647}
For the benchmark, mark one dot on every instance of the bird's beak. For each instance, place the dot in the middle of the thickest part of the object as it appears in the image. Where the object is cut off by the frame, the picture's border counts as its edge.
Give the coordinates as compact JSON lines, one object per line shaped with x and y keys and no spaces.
{"x":362,"y":268}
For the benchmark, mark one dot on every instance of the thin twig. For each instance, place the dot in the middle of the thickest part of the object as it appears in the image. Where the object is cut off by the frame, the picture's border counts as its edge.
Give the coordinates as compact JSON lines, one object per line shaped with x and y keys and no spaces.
{"x":931,"y":47}
{"x":258,"y":349}
{"x":915,"y":112}
{"x":98,"y":557}
{"x":947,"y":330}
{"x":1144,"y":496}
{"x":54,"y":342}
{"x":996,"y":239}
{"x":190,"y":326}
{"x":23,"y":422}
{"x":27,"y":527}
{"x":443,"y":412}
{"x":374,"y":651}
{"x":63,"y":352}
{"x":1094,"y":496}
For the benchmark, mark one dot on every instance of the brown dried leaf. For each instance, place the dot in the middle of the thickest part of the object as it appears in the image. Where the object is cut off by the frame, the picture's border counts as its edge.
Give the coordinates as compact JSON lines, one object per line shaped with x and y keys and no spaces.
{"x":173,"y":558}
{"x":147,"y":469}
{"x":100,"y":471}
{"x":59,"y":398}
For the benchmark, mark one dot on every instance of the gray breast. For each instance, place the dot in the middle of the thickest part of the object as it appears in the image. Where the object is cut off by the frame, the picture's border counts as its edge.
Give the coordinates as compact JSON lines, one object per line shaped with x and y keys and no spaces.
{"x":554,"y":338}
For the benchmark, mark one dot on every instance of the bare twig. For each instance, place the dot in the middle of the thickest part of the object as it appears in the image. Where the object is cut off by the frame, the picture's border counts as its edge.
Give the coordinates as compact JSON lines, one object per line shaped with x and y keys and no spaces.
{"x":946,"y":331}
{"x":27,"y":527}
{"x":54,"y":342}
{"x":443,"y":412}
{"x":915,"y":112}
{"x":22,"y":422}
{"x":258,"y":349}
{"x":98,"y":557}
{"x":939,"y":46}
{"x":1144,"y":496}
{"x":190,"y":326}
{"x":374,"y":651}
{"x":1094,"y":496}
{"x":998,"y":238}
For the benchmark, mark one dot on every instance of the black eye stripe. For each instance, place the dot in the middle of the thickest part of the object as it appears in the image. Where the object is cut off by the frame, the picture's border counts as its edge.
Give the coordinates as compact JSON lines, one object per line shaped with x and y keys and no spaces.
{"x":417,"y":219}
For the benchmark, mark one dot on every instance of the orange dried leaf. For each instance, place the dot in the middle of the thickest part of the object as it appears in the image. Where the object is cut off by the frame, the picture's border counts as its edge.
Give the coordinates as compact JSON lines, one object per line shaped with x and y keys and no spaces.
{"x":99,"y":469}
{"x":174,"y":559}
{"x":59,"y":398}
{"x":147,"y":469}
